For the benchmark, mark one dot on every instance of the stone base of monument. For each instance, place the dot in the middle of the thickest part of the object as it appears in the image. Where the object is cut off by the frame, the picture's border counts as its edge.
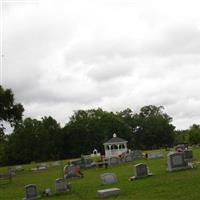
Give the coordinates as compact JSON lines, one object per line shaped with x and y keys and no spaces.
{"x":138,"y":177}
{"x":108,"y":192}
{"x":32,"y":198}
{"x":190,"y":166}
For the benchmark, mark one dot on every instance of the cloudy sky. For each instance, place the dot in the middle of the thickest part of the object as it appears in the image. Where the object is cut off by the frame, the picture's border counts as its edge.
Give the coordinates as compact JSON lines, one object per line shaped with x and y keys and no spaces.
{"x":64,"y":55}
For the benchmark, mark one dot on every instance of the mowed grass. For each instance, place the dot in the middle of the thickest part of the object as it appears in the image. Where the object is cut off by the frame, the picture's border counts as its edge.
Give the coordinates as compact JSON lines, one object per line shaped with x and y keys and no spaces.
{"x":182,"y":185}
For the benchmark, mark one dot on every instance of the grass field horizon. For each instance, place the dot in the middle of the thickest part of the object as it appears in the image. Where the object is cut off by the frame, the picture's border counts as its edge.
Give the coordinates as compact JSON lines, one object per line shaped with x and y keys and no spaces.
{"x":182,"y":185}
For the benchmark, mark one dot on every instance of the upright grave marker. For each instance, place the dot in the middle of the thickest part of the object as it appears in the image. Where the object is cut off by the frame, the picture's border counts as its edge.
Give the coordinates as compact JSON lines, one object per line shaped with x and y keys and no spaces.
{"x":176,"y":162}
{"x":108,"y":178}
{"x":140,"y":170}
{"x":31,"y":192}
{"x":61,"y":186}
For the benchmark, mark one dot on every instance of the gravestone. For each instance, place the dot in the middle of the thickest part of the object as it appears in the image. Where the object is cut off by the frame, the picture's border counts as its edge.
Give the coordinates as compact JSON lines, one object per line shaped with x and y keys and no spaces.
{"x":61,"y":186}
{"x":128,"y":158}
{"x":88,"y":163}
{"x":137,"y":154}
{"x":18,"y":168}
{"x":113,"y":161}
{"x":11,"y":171}
{"x":43,"y":165}
{"x":55,"y":163}
{"x":140,"y":170}
{"x":108,"y":178}
{"x":108,"y":192}
{"x":31,"y":192}
{"x":70,"y":171}
{"x":176,"y":162}
{"x":188,"y":155}
{"x":76,"y":162}
{"x":155,"y":155}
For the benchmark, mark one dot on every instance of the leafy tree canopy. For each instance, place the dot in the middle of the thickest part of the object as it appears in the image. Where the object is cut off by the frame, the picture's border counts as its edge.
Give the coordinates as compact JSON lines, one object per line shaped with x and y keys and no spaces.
{"x":9,"y":110}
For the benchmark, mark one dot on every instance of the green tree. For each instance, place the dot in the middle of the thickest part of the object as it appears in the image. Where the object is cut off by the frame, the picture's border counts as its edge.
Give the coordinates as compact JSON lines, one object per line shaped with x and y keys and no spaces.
{"x":34,"y":140}
{"x":9,"y":110}
{"x":154,"y":127}
{"x":89,"y":129}
{"x":194,"y":134}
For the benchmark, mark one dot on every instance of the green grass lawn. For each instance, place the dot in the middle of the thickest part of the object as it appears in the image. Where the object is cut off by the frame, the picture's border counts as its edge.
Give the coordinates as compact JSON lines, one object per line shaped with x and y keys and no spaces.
{"x":182,"y":185}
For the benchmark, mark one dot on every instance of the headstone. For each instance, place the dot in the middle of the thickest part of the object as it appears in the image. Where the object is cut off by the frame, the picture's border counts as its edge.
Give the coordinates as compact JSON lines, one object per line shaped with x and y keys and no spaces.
{"x":34,"y":169}
{"x":108,"y":178}
{"x":137,"y":154}
{"x":113,"y":161}
{"x":140,"y":170}
{"x":31,"y":192}
{"x":55,"y":163}
{"x":61,"y":186}
{"x":155,"y":155}
{"x":188,"y":155}
{"x":43,"y":165}
{"x":88,"y":163}
{"x":11,"y":171}
{"x":18,"y":168}
{"x":108,"y":192}
{"x":128,"y":158}
{"x":176,"y":162}
{"x":76,"y":162}
{"x":70,"y":171}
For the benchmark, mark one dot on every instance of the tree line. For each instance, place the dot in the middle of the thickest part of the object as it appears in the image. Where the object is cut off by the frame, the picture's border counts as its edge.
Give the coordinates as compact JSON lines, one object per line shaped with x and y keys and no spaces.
{"x":44,"y":139}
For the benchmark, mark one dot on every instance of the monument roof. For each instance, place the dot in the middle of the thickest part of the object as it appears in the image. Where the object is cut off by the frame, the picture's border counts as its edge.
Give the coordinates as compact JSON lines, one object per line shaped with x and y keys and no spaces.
{"x":115,"y":140}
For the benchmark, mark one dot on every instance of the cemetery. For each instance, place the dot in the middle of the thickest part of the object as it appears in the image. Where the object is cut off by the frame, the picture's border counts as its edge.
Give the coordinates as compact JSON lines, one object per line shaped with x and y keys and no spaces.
{"x":172,"y":178}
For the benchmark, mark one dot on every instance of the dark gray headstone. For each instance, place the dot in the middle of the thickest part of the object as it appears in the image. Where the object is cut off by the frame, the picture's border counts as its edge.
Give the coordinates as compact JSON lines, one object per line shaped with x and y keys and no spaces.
{"x":108,"y":178}
{"x":176,"y":162}
{"x":141,"y":170}
{"x":61,"y":186}
{"x":31,"y":192}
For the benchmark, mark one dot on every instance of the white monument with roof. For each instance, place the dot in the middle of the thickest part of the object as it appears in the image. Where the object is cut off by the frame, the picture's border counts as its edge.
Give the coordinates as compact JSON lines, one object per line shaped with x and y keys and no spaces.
{"x":115,"y":146}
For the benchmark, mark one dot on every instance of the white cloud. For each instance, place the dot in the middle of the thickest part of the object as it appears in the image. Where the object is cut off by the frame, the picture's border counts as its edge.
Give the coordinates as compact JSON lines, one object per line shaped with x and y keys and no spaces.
{"x":61,"y":56}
